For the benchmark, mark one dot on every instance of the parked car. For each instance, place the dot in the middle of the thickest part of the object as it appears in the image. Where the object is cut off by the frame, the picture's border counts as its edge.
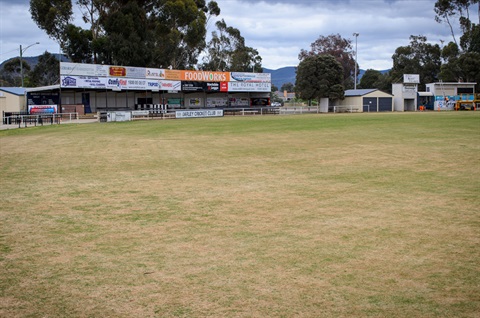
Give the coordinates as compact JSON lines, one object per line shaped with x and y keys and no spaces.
{"x":276,"y":104}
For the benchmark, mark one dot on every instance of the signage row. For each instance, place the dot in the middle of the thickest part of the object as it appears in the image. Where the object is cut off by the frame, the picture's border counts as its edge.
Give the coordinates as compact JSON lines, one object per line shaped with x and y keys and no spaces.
{"x":96,"y":70}
{"x":119,"y":84}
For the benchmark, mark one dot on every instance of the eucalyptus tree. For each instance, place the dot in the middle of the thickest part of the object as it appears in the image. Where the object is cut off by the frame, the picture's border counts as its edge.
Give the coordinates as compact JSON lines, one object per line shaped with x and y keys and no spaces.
{"x":420,"y":57}
{"x":227,"y":51}
{"x":46,"y":71}
{"x":131,"y":32}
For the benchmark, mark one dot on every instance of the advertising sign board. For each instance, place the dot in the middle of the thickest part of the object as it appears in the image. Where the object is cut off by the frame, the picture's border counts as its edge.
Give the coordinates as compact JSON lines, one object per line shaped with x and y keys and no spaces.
{"x":250,"y":77}
{"x":83,"y":82}
{"x":249,"y":87}
{"x":83,"y":69}
{"x":411,"y":78}
{"x":42,"y":109}
{"x":199,"y":113}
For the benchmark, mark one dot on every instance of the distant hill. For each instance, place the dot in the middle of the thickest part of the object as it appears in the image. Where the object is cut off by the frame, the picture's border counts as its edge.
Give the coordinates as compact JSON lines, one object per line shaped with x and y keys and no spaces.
{"x":288,"y":74}
{"x":33,"y":60}
{"x":280,"y":76}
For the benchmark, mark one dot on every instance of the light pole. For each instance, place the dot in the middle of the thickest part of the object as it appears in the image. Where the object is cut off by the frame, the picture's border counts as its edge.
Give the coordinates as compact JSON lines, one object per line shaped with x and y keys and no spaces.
{"x":21,"y":59}
{"x":356,"y":37}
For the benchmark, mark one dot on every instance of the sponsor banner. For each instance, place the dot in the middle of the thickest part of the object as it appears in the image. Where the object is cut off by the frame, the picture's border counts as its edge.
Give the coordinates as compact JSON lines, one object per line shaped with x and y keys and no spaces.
{"x":42,"y":109}
{"x":204,"y":76}
{"x":212,"y":86}
{"x":141,"y":84}
{"x":83,"y":82}
{"x":239,"y":102}
{"x":127,"y":71}
{"x":199,"y":113}
{"x":132,"y":83}
{"x":224,"y":87}
{"x":194,"y":102}
{"x":175,"y":102}
{"x":117,"y":71}
{"x":155,"y":73}
{"x":41,"y":98}
{"x":140,"y":112}
{"x":173,"y":75}
{"x":250,"y":77}
{"x":170,"y":85}
{"x":83,"y":69}
{"x":193,"y":86}
{"x":117,"y":83}
{"x":411,"y":78}
{"x":217,"y":102}
{"x":249,"y":87}
{"x":136,"y":72}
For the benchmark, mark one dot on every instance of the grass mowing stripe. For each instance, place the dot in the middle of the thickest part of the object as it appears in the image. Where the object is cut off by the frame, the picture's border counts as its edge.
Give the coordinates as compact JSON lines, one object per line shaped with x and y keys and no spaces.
{"x":308,"y":215}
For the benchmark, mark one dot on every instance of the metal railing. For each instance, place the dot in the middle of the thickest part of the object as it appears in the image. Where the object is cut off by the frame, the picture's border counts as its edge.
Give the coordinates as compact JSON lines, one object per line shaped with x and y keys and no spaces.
{"x":38,"y":119}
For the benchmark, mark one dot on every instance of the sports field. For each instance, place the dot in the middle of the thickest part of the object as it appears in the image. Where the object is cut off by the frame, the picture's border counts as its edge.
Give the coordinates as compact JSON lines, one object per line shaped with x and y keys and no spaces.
{"x":345,"y":215}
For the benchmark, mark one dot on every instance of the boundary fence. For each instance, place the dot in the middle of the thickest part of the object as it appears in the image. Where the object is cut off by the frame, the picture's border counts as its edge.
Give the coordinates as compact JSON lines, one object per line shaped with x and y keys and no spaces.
{"x":24,"y":120}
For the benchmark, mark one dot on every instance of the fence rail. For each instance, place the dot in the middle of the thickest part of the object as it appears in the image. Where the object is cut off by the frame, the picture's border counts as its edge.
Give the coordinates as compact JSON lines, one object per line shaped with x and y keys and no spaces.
{"x":24,"y":120}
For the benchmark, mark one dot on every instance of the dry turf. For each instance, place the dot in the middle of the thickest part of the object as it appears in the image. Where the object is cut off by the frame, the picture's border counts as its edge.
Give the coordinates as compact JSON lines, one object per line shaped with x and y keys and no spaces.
{"x":346,"y":215}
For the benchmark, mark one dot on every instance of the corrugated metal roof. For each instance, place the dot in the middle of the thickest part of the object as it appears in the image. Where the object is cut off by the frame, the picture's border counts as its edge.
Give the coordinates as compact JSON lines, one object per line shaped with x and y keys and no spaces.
{"x":359,"y":92}
{"x":14,"y":90}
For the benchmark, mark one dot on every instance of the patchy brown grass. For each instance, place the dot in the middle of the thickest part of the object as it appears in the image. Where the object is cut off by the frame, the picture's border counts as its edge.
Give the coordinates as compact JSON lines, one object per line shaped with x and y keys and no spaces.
{"x":351,"y":215}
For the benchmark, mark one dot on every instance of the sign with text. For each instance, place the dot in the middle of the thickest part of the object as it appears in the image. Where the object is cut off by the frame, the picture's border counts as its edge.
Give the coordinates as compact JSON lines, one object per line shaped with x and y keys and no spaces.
{"x":411,"y":78}
{"x":83,"y":82}
{"x":192,"y":86}
{"x":217,"y":102}
{"x":249,"y":87}
{"x":204,"y":76}
{"x":42,"y":109}
{"x":199,"y":113}
{"x":83,"y":69}
{"x":250,"y":77}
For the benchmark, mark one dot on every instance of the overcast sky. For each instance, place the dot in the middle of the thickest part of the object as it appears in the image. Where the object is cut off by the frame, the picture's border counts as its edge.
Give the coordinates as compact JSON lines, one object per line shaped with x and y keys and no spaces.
{"x":279,"y":29}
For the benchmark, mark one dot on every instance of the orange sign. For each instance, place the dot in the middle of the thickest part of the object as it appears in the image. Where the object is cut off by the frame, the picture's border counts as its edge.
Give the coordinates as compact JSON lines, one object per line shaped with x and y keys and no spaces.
{"x":173,"y":75}
{"x":117,"y":71}
{"x":205,"y":76}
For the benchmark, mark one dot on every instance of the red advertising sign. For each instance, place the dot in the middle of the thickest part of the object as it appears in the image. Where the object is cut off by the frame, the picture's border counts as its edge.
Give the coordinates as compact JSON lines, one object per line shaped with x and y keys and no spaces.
{"x":224,"y":87}
{"x":117,"y":71}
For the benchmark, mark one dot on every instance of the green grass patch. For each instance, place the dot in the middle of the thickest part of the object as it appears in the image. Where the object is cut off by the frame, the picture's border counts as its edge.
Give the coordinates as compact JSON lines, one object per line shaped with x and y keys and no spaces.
{"x":346,"y":215}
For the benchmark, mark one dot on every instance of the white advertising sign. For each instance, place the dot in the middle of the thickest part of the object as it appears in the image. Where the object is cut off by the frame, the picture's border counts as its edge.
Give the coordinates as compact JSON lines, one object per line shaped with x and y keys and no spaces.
{"x":135,"y":72}
{"x":155,"y":73}
{"x":250,"y":77}
{"x":170,"y":85}
{"x":249,"y":87}
{"x":411,"y":78}
{"x":199,"y":113}
{"x":83,"y":82}
{"x":83,"y":69}
{"x":217,"y":101}
{"x":116,"y":83}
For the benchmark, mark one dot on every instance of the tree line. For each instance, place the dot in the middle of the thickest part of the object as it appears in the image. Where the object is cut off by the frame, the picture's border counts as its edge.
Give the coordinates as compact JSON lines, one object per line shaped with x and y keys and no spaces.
{"x":319,"y":70}
{"x":143,"y":33}
{"x":172,"y":33}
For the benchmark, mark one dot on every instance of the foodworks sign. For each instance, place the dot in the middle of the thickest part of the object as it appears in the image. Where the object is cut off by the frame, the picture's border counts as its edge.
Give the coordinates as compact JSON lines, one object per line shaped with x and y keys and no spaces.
{"x":205,"y":76}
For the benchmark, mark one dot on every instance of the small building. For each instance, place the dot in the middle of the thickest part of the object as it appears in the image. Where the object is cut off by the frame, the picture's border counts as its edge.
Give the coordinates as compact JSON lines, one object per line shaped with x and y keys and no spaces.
{"x":444,"y":95}
{"x":12,"y":100}
{"x":366,"y":100}
{"x":91,"y":88}
{"x":406,"y":93}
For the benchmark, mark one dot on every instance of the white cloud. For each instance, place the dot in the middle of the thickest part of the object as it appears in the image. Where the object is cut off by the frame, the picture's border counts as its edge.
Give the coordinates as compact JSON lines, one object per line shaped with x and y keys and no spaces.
{"x":279,"y":29}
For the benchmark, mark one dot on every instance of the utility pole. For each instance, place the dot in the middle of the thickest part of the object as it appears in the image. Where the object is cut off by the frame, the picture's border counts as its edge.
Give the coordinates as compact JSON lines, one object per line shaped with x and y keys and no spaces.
{"x":21,"y":58}
{"x":355,"y":77}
